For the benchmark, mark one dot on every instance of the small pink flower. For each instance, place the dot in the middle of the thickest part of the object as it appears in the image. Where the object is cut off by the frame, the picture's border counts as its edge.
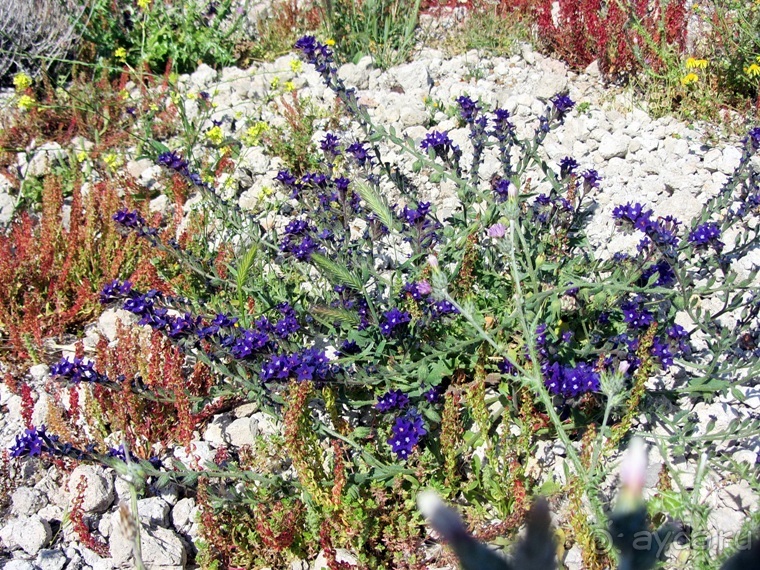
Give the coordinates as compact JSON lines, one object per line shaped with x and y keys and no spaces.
{"x":424,"y":288}
{"x":497,"y":231}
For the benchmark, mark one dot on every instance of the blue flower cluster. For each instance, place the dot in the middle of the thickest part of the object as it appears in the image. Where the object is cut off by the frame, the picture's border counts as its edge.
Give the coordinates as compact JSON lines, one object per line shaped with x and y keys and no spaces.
{"x":35,"y":441}
{"x":175,"y":162}
{"x":441,"y":145}
{"x":298,"y":241}
{"x":421,"y":229}
{"x":315,"y":53}
{"x":392,"y":400}
{"x":570,"y":381}
{"x":309,"y":364}
{"x":707,"y":234}
{"x":562,"y":104}
{"x":359,"y":153}
{"x":567,"y":166}
{"x":407,"y":431}
{"x":635,"y":314}
{"x":77,"y":370}
{"x":393,"y":321}
{"x":421,"y":293}
{"x":662,"y":233}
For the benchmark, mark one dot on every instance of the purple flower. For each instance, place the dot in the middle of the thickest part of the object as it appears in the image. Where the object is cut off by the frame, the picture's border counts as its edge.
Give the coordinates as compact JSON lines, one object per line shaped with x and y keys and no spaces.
{"x":330,"y":145}
{"x":349,"y":347}
{"x":173,"y":161}
{"x":563,"y":104}
{"x":506,"y":367}
{"x":635,"y":315}
{"x":570,"y":382}
{"x":633,"y":214}
{"x":567,"y":166}
{"x":665,"y":274}
{"x":115,"y":291}
{"x":440,"y":143}
{"x":502,"y":125}
{"x":591,"y":178}
{"x":407,"y":431}
{"x":77,"y":370}
{"x":131,"y":220}
{"x":393,"y":320}
{"x":497,"y":231}
{"x":502,"y":188}
{"x":707,"y":234}
{"x":391,"y":400}
{"x":182,"y":326}
{"x":433,"y":395}
{"x":360,"y":153}
{"x":661,"y":351}
{"x":754,"y":137}
{"x":316,"y":53}
{"x":468,"y":109}
{"x":31,"y":443}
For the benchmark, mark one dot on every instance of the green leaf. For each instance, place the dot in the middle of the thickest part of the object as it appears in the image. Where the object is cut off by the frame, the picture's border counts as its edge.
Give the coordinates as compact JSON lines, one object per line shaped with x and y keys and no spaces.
{"x":376,"y":203}
{"x":335,"y":314}
{"x":241,"y":273}
{"x":336,"y":273}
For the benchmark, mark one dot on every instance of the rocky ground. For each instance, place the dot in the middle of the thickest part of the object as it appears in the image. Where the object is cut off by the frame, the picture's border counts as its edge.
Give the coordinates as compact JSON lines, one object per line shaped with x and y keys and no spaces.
{"x":662,"y":162}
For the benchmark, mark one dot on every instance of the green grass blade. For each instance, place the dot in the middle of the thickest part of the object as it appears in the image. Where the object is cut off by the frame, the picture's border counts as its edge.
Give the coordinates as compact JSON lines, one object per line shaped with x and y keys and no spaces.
{"x":376,"y":203}
{"x":336,"y":273}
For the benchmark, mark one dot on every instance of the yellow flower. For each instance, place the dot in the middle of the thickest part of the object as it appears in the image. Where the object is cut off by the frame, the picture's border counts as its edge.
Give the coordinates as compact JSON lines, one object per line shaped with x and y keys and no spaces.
{"x":25,"y":102}
{"x":207,"y":178}
{"x":689,"y":78}
{"x":693,"y":63}
{"x":215,"y":135}
{"x":124,"y":94}
{"x":274,"y":83}
{"x":330,"y":42}
{"x":21,"y":81}
{"x":112,"y":161}
{"x":192,"y":95}
{"x":81,"y":156}
{"x":752,"y":70}
{"x":143,"y":4}
{"x":296,"y":65}
{"x":120,"y":54}
{"x":252,"y":136}
{"x":289,"y":86}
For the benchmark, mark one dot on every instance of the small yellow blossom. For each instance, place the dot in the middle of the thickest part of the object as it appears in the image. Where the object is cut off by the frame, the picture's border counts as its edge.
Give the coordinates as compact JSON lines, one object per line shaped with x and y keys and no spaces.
{"x":25,"y":102}
{"x":215,"y":135}
{"x":289,"y":86}
{"x":124,"y":94}
{"x":207,"y":178}
{"x":296,"y":65}
{"x":153,"y":107}
{"x":21,"y":81}
{"x":330,"y":42}
{"x":192,"y":95}
{"x":112,"y":161}
{"x":694,"y":63}
{"x":753,"y":70}
{"x":252,"y":136}
{"x":689,"y":78}
{"x":143,"y":4}
{"x":81,"y":156}
{"x":274,"y":83}
{"x":120,"y":53}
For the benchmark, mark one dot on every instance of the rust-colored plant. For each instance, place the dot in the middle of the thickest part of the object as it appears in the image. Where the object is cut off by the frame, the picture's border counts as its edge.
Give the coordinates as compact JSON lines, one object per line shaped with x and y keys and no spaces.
{"x":622,"y":36}
{"x":156,"y":400}
{"x":51,"y":269}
